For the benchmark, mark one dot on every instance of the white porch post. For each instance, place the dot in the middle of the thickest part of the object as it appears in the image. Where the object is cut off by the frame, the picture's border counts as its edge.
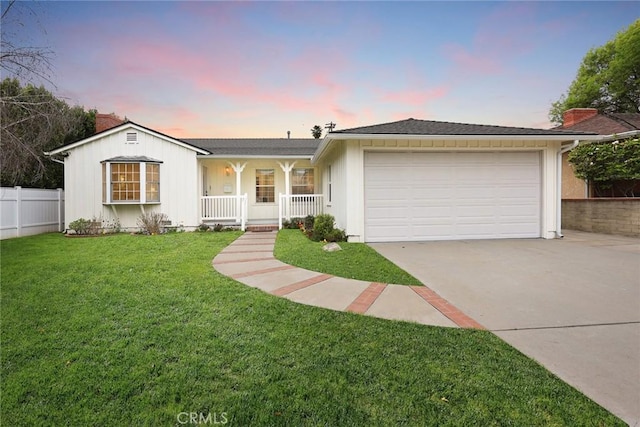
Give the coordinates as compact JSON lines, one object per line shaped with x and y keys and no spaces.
{"x":238,"y":168}
{"x":286,"y":168}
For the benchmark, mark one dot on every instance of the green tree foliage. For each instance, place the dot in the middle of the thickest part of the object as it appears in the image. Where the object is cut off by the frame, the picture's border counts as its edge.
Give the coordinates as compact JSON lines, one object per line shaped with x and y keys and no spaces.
{"x":316,"y":131}
{"x":608,"y":78}
{"x":608,"y":164}
{"x":35,"y":121}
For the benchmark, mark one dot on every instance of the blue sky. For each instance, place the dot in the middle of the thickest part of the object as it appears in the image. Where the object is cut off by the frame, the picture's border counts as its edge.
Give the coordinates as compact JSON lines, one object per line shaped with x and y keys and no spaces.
{"x":259,"y":69}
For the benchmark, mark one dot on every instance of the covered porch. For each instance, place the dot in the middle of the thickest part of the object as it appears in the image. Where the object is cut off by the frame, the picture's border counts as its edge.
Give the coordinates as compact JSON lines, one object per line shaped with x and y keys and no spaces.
{"x":257,"y":191}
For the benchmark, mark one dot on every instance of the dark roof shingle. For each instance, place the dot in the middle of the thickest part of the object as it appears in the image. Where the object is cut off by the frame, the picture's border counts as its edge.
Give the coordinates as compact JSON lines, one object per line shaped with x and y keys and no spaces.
{"x":430,"y":127}
{"x":303,"y":147}
{"x":132,"y":159}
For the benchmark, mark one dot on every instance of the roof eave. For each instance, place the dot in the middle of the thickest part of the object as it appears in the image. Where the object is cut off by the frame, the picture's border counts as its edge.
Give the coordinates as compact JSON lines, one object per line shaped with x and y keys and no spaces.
{"x":119,"y":128}
{"x":254,"y":156}
{"x":378,"y":136}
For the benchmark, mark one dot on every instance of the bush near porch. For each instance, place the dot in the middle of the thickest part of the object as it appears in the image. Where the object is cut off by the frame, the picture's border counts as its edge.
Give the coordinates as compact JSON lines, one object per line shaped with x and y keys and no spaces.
{"x":134,"y":330}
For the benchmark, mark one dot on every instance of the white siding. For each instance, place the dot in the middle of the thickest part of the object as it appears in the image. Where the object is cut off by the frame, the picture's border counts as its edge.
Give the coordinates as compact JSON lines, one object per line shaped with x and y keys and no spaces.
{"x":178,"y":179}
{"x":336,"y":158}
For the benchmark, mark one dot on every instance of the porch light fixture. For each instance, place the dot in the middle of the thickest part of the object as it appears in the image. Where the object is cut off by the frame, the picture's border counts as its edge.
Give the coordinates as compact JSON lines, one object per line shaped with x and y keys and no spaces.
{"x":227,"y":171}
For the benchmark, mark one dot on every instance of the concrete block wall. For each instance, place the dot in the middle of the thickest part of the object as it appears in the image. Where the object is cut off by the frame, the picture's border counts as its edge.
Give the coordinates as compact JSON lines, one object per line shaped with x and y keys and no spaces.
{"x":603,"y":215}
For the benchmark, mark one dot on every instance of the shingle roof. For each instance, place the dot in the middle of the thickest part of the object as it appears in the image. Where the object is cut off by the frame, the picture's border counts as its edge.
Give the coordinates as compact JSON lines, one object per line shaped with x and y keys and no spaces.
{"x":135,"y":159}
{"x":606,"y":124}
{"x":303,"y":147}
{"x":430,"y":127}
{"x":633,"y":119}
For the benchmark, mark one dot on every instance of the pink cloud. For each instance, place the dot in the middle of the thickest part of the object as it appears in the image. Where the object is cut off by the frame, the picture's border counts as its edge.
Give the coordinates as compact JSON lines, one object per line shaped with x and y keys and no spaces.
{"x":415,"y":97}
{"x":472,"y":62}
{"x":511,"y":31}
{"x":154,"y":74}
{"x":344,"y":118}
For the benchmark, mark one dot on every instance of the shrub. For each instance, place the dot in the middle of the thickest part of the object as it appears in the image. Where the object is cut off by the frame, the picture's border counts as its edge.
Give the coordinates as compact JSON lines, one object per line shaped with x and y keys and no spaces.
{"x":218,"y":227}
{"x":336,"y":235}
{"x":152,"y":222}
{"x":111,"y":226}
{"x":322,"y":226}
{"x":293,"y":224}
{"x":324,"y":229}
{"x":95,"y":225}
{"x":80,"y":226}
{"x":308,"y":222}
{"x":87,"y":227}
{"x":608,"y":164}
{"x":203,"y":227}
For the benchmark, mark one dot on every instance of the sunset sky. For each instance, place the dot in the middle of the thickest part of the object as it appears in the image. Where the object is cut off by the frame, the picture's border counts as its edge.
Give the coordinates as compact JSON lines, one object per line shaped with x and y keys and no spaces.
{"x":259,"y":69}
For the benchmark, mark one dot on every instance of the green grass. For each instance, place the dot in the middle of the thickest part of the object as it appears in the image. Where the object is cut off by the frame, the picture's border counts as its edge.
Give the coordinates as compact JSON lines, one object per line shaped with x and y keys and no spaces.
{"x":354,"y":261}
{"x":134,"y":330}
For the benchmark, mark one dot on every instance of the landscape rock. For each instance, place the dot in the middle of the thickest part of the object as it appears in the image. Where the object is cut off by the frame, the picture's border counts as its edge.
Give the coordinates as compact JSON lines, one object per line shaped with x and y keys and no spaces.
{"x":331,"y":247}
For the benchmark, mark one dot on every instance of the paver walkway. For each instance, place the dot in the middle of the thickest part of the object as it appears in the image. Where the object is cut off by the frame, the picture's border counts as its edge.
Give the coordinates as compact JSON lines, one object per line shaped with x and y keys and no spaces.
{"x":249,"y":260}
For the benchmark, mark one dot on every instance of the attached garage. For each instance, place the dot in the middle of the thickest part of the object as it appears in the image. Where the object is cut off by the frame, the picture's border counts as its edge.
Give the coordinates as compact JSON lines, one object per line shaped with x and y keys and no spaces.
{"x":421,"y":180}
{"x":417,"y":196}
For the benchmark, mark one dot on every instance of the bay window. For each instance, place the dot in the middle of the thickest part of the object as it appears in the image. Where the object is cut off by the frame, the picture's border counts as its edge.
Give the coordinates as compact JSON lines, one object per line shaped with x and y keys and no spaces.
{"x":128,"y":181}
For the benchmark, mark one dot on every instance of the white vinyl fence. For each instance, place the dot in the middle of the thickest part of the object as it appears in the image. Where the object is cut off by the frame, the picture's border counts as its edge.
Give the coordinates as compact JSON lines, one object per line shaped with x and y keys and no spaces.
{"x":28,"y":211}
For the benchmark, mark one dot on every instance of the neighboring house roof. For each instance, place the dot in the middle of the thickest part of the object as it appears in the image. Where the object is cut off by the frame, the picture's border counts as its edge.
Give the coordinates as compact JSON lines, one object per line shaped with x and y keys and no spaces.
{"x":430,"y":127}
{"x":256,"y":147}
{"x":606,"y":123}
{"x":107,"y":121}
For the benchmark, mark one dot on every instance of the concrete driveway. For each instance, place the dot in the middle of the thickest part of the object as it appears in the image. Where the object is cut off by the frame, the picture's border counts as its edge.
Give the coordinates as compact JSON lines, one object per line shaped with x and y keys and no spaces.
{"x":572,"y":304}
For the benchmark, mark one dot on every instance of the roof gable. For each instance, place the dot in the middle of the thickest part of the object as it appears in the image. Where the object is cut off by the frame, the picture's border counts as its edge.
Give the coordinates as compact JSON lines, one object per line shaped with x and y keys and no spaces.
{"x":434,"y":128}
{"x":123,"y":127}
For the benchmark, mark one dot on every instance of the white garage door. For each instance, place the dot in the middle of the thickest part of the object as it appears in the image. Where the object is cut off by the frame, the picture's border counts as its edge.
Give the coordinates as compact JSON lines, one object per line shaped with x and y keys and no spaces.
{"x":451,"y":196}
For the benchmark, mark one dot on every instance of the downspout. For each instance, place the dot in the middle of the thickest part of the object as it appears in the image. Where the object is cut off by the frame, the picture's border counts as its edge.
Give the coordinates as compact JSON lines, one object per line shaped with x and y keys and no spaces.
{"x":563,"y":149}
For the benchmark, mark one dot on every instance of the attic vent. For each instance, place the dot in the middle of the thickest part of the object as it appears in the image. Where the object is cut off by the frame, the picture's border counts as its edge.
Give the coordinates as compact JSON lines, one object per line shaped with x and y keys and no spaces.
{"x":132,"y":137}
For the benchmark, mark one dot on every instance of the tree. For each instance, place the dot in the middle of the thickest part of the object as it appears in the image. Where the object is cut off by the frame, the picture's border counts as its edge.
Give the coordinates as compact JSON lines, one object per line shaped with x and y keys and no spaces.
{"x":316,"y":131}
{"x":611,"y":167}
{"x":32,"y":120}
{"x":608,"y":78}
{"x":35,"y":121}
{"x":24,"y":62}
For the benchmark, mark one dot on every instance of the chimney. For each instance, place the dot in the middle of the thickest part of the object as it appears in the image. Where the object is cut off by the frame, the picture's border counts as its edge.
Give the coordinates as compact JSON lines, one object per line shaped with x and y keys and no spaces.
{"x":107,"y":121}
{"x":288,"y":134}
{"x":577,"y":115}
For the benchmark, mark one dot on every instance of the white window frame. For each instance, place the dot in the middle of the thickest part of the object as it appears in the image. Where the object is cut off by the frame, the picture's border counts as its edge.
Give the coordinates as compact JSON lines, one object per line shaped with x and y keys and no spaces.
{"x":107,"y":184}
{"x":329,"y":185}
{"x":313,"y":183}
{"x":273,"y":185}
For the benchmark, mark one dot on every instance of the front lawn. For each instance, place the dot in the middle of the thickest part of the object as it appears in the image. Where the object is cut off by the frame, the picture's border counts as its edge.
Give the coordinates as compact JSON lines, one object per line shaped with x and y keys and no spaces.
{"x":354,"y":261}
{"x":140,"y":330}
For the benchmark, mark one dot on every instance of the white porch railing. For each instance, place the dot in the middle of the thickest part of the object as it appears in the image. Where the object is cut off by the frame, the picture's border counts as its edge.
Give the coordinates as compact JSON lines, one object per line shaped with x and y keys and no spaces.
{"x":298,"y":206}
{"x":224,"y":208}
